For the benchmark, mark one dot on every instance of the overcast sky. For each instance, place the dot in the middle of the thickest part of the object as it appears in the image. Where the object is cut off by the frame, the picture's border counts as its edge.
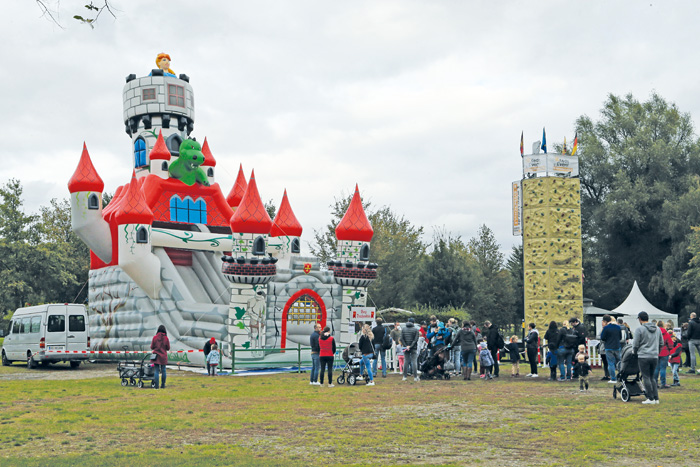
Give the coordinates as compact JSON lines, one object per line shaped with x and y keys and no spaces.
{"x":420,"y":103}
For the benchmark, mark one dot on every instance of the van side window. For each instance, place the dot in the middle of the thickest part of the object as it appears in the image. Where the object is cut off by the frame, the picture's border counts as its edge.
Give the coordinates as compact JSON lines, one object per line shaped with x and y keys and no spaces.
{"x":57,"y":323}
{"x":24,"y":328}
{"x":36,"y":324}
{"x":15,"y":326}
{"x":76,"y":323}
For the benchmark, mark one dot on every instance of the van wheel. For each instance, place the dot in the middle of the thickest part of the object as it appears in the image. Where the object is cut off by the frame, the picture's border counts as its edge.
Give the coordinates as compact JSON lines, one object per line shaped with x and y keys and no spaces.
{"x":30,"y":361}
{"x":5,"y":361}
{"x":75,"y":363}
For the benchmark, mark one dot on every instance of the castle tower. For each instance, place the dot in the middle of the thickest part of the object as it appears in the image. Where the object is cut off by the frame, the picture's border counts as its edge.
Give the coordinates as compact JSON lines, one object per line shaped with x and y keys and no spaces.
{"x":86,"y":187}
{"x":352,"y":268}
{"x":160,"y":157}
{"x":152,"y":104}
{"x":209,"y":162}
{"x":285,"y":234}
{"x":249,"y":269}
{"x":134,"y":218}
{"x":238,"y":190}
{"x":551,"y":206}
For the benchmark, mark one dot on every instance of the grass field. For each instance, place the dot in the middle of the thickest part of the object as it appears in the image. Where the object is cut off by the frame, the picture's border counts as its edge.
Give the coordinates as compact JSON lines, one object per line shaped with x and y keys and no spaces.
{"x":281,"y":420}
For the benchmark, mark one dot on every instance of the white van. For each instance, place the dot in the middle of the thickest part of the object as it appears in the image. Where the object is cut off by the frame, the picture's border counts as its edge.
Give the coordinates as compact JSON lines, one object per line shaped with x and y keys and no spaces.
{"x":44,"y":333}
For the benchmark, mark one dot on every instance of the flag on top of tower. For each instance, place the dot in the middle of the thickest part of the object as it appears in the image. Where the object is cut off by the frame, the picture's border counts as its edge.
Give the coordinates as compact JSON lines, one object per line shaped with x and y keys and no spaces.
{"x":575,"y":148}
{"x":563,"y":150}
{"x":521,"y":144}
{"x":544,"y":141}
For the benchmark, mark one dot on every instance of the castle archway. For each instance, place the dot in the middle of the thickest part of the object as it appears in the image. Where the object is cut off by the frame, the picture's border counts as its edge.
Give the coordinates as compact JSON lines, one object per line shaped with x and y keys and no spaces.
{"x":303,"y":309}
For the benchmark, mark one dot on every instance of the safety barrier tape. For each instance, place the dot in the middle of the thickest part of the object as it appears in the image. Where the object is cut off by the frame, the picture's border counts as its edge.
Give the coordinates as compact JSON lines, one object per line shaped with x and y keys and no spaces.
{"x":116,"y":351}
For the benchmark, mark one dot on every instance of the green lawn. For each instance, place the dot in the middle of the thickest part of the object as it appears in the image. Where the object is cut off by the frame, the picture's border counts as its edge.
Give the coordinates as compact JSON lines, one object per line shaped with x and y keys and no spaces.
{"x":281,"y":420}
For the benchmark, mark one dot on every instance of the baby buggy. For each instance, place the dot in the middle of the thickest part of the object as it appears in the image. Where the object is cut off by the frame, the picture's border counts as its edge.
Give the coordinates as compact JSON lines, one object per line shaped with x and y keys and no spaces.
{"x":437,"y":366}
{"x":629,"y":383}
{"x":136,"y":372}
{"x":351,"y":371}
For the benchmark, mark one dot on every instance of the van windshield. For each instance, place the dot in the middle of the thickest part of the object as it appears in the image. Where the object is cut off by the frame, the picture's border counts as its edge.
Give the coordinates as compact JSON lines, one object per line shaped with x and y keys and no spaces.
{"x":57,"y":323}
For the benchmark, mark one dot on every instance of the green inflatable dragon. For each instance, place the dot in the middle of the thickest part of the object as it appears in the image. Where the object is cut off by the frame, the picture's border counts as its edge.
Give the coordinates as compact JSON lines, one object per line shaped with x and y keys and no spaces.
{"x":186,"y":167}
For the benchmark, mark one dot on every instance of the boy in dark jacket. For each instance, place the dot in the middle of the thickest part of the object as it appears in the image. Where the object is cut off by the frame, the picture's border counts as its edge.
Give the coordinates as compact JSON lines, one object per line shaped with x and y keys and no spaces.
{"x":551,"y":360}
{"x":514,"y":353}
{"x":583,"y":369}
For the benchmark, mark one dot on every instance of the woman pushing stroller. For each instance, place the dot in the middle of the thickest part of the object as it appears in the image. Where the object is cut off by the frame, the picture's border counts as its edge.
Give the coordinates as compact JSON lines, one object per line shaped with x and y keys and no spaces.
{"x":367,"y":349}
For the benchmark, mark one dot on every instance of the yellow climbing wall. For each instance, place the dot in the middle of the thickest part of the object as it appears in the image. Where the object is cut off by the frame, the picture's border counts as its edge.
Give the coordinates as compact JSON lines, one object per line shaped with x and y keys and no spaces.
{"x":552,"y":249}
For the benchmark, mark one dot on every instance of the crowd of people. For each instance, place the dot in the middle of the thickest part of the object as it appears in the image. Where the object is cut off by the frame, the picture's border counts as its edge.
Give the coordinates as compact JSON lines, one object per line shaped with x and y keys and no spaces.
{"x":473,"y":349}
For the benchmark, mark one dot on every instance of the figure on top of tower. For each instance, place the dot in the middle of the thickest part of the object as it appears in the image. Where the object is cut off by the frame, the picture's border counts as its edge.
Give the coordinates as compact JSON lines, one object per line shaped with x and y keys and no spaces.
{"x":163,"y":63}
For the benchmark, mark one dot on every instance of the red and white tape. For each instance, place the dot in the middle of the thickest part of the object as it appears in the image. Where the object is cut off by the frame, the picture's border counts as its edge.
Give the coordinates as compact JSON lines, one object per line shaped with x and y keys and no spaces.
{"x":116,"y":351}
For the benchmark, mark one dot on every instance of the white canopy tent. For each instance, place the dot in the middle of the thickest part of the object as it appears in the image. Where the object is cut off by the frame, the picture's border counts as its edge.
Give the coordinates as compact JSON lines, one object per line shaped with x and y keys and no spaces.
{"x":636,"y":302}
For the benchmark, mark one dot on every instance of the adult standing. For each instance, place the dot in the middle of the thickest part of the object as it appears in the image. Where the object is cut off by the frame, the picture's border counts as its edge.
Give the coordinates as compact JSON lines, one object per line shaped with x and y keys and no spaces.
{"x":610,"y":336}
{"x":693,"y":339}
{"x":315,"y":357}
{"x":409,"y":338}
{"x":479,"y":339}
{"x":532,"y":345}
{"x":647,"y":343}
{"x":580,"y":331}
{"x":552,"y":338}
{"x":494,"y":341}
{"x":625,"y":333}
{"x":467,"y":341}
{"x":160,"y":344}
{"x":207,"y":350}
{"x":456,"y":352}
{"x":396,"y":333}
{"x":565,"y":353}
{"x":685,"y":344}
{"x":367,"y":350}
{"x":379,"y":330}
{"x":326,"y":345}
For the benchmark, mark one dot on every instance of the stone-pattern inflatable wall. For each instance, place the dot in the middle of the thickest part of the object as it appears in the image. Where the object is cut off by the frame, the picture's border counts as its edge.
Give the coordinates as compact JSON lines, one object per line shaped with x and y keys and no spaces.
{"x":552,"y":249}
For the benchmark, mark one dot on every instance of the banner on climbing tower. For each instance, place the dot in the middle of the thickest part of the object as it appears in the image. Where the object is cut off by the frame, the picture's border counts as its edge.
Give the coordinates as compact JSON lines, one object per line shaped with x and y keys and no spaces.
{"x":517,"y":209}
{"x":534,"y":164}
{"x":560,"y":165}
{"x":362,"y":313}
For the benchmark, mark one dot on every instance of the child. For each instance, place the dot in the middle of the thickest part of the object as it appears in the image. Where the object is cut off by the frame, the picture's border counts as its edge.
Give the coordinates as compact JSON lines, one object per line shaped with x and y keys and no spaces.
{"x":551,"y":360}
{"x":514,"y":352}
{"x":486,"y":361}
{"x":581,"y":351}
{"x":399,"y":355}
{"x":583,"y":368}
{"x":675,"y":359}
{"x":213,"y":359}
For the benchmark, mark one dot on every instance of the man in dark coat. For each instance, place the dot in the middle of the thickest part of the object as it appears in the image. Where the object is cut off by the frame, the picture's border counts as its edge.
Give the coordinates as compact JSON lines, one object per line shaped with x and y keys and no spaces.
{"x":492,"y":342}
{"x":409,"y":339}
{"x":315,"y":356}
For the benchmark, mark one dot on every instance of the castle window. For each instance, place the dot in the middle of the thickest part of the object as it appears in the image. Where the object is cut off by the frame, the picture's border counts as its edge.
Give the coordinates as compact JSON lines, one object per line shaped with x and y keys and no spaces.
{"x":364,"y":252}
{"x":210,"y":172}
{"x":139,"y":152}
{"x":295,"y":246}
{"x":173,"y":142}
{"x":176,"y":95}
{"x":164,"y":166}
{"x":148,"y":94}
{"x":93,"y":201}
{"x":187,"y":210}
{"x":142,"y":235}
{"x":259,"y":246}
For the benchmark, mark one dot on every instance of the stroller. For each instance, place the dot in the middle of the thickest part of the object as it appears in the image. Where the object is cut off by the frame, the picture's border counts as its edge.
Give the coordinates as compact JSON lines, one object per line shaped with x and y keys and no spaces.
{"x":629,"y":383}
{"x":438,"y":365}
{"x":136,"y":372}
{"x":351,"y":371}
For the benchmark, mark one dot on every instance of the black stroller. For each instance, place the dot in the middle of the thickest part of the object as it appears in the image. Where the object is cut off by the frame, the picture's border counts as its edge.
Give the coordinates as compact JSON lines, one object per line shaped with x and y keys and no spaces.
{"x":437,"y":365}
{"x":351,"y":371}
{"x":629,"y":383}
{"x":136,"y":372}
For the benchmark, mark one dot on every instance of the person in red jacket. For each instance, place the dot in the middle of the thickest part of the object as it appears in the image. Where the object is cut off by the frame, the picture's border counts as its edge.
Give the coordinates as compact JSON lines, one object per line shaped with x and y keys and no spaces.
{"x":160,"y":346}
{"x":663,"y":356}
{"x":675,"y":359}
{"x":327,"y":345}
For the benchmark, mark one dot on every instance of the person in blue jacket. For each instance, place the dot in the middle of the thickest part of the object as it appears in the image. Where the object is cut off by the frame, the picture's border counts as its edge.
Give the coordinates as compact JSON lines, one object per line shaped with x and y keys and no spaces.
{"x":441,"y":336}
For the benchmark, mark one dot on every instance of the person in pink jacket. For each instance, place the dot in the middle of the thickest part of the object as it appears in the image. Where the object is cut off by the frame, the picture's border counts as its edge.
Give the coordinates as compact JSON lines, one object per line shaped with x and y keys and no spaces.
{"x":160,"y":346}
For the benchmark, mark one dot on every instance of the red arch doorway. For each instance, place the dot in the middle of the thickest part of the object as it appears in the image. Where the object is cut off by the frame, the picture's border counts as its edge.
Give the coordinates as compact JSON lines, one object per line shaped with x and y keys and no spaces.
{"x":304,"y":308}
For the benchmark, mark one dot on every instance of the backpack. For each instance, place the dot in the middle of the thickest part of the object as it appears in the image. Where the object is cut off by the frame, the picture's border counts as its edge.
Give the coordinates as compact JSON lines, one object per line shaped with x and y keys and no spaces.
{"x":387,"y":342}
{"x":571,"y":338}
{"x":500,"y":343}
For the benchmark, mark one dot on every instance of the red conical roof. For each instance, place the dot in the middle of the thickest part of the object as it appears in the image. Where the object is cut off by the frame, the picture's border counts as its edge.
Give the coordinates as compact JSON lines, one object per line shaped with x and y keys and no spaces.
{"x":85,"y":177}
{"x":160,"y":149}
{"x":132,"y":207}
{"x":239,"y":188}
{"x":251,"y":215}
{"x":209,"y":160}
{"x":285,"y":222}
{"x":355,"y":225}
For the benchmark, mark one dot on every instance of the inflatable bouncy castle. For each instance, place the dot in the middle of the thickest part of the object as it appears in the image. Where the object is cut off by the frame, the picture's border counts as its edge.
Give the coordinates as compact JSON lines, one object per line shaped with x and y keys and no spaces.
{"x":171,"y":249}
